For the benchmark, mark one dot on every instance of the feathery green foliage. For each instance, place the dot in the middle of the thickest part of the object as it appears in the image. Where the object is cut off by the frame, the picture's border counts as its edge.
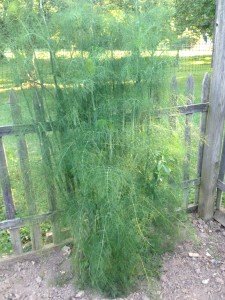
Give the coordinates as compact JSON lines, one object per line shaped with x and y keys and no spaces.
{"x":117,"y":167}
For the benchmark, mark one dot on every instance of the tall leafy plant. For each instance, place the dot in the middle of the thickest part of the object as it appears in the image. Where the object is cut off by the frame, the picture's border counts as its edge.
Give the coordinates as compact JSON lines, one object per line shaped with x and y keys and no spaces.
{"x":116,"y":166}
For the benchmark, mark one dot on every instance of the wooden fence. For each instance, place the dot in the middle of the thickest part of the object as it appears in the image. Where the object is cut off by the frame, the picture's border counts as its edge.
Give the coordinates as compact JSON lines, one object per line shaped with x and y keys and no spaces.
{"x":41,"y":127}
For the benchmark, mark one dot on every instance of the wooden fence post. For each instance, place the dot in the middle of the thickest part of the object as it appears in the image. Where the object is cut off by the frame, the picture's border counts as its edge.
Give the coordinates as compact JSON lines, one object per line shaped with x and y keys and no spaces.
{"x":205,"y":99}
{"x":8,"y":199}
{"x":215,"y":122}
{"x":47,"y":162}
{"x":173,"y":100}
{"x":187,"y":137}
{"x":221,"y":176}
{"x":25,"y":170}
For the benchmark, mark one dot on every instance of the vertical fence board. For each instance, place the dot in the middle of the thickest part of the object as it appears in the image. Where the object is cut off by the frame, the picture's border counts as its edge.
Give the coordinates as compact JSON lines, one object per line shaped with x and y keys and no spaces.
{"x":221,"y":176}
{"x":215,"y":122}
{"x":205,"y":99}
{"x":8,"y":200}
{"x":187,"y":137}
{"x":47,"y":162}
{"x":173,"y":99}
{"x":25,"y":171}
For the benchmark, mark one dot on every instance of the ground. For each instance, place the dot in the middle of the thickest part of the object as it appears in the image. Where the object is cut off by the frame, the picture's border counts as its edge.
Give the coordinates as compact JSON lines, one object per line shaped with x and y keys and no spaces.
{"x":195,"y":270}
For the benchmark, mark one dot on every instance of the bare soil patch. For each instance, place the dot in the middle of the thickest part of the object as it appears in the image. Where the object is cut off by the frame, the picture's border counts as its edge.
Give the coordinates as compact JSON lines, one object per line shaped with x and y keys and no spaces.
{"x":48,"y":276}
{"x":195,"y":270}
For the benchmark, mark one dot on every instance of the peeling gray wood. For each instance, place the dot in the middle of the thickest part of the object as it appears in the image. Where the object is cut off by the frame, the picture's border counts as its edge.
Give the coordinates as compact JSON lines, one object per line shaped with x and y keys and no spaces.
{"x":219,"y":216}
{"x":25,"y":171}
{"x":183,"y":110}
{"x":20,"y":222}
{"x":8,"y":199}
{"x":47,"y":162}
{"x":221,"y":185}
{"x":187,"y":138}
{"x":25,"y":129}
{"x":191,"y":183}
{"x":173,"y":100}
{"x":221,"y":177}
{"x":215,"y":122}
{"x":32,"y":255}
{"x":205,"y":99}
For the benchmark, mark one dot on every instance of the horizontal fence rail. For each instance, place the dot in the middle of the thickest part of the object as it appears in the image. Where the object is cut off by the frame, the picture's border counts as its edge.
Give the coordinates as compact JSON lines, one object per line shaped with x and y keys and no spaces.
{"x":24,"y":129}
{"x":183,"y":110}
{"x":221,"y":185}
{"x":20,"y":222}
{"x":50,"y":126}
{"x":191,"y":183}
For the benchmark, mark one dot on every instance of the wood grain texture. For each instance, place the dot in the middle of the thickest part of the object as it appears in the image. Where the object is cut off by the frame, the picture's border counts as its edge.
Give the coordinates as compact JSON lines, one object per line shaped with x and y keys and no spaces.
{"x":221,"y":185}
{"x":47,"y":162}
{"x":215,"y":122}
{"x":219,"y":216}
{"x":191,"y":183}
{"x":32,"y":255}
{"x":187,"y":138}
{"x":183,"y":110}
{"x":25,"y":129}
{"x":8,"y":199}
{"x":25,"y":171}
{"x":205,"y":99}
{"x":173,"y":100}
{"x":20,"y":222}
{"x":221,"y":177}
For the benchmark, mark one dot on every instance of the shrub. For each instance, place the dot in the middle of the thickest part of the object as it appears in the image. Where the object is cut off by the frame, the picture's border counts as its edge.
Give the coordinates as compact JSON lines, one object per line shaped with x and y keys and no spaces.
{"x":117,"y":166}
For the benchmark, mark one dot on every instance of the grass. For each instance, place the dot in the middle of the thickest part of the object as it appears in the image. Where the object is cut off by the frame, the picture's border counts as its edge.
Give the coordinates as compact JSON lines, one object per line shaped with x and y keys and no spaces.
{"x":196,"y":66}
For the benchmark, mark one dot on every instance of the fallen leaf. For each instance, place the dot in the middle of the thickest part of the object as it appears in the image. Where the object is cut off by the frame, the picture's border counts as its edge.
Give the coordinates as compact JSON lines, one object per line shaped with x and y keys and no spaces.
{"x":205,"y":281}
{"x":193,"y":254}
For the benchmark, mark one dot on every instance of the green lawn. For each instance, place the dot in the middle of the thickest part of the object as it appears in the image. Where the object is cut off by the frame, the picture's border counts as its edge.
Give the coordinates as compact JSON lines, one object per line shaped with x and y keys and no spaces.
{"x":197,"y":66}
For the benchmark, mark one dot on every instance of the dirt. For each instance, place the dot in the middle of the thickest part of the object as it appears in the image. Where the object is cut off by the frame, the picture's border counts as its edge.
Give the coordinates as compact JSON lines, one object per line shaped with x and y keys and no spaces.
{"x":195,"y":270}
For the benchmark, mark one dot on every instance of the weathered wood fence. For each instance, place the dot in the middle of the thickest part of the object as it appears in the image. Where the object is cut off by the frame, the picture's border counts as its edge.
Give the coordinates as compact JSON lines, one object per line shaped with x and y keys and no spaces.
{"x":18,"y":129}
{"x":41,"y":127}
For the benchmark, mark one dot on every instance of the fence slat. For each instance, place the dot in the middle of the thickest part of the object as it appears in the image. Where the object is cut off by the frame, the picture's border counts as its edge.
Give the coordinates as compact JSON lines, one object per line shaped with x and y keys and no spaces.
{"x":205,"y":99}
{"x":187,"y":137}
{"x":8,"y":200}
{"x":25,"y":171}
{"x":191,"y":183}
{"x":19,"y":222}
{"x":215,"y":122}
{"x":47,"y":162}
{"x":16,"y":130}
{"x":221,"y":176}
{"x":219,"y":216}
{"x":183,"y":110}
{"x":220,"y":185}
{"x":173,"y":100}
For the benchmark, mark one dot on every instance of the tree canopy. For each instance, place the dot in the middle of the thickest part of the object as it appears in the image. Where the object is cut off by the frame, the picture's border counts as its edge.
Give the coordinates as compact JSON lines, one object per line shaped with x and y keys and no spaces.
{"x":195,"y":15}
{"x":165,"y":18}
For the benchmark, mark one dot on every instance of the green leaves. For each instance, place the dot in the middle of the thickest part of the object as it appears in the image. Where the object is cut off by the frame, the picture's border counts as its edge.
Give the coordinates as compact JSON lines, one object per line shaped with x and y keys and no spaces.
{"x":99,"y":76}
{"x":195,"y":15}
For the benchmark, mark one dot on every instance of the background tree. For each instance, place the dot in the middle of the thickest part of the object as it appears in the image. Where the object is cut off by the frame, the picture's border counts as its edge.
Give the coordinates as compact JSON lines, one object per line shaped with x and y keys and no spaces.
{"x":195,"y":15}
